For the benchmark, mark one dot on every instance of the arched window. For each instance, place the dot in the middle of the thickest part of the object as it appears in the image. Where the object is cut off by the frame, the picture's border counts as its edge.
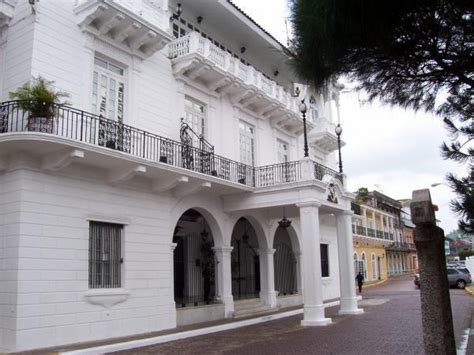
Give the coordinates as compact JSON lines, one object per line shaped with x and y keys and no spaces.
{"x":374,"y":267}
{"x":356,"y":264}
{"x":364,"y":266}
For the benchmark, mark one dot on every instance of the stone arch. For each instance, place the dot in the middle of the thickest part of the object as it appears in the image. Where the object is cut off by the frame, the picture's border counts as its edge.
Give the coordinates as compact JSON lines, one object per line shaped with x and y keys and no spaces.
{"x":293,"y":231}
{"x":209,"y":209}
{"x":248,"y":241}
{"x":194,"y":262}
{"x":257,"y":224}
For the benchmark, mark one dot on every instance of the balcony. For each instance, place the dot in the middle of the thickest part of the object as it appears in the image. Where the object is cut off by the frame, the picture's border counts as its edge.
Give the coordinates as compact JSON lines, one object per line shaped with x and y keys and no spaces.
{"x":323,"y":136}
{"x":6,"y":12}
{"x":401,"y":246}
{"x":138,"y":27}
{"x":164,"y":157}
{"x":356,"y":208}
{"x":196,"y":59}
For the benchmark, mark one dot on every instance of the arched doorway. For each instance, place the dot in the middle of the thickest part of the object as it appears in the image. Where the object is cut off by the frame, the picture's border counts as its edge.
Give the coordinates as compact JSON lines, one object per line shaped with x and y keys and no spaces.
{"x":285,"y":264}
{"x":245,"y":261}
{"x":193,"y":261}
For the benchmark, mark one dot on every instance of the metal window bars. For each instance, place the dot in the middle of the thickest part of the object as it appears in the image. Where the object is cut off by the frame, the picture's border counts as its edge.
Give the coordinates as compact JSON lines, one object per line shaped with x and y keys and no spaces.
{"x":105,"y":255}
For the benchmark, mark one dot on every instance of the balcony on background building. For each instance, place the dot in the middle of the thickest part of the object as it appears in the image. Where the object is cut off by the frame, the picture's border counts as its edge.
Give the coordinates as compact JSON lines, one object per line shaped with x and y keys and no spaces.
{"x":356,"y":208}
{"x":323,"y":136}
{"x":401,"y":246}
{"x":69,"y":134}
{"x":139,"y":27}
{"x":6,"y":11}
{"x":197,"y":59}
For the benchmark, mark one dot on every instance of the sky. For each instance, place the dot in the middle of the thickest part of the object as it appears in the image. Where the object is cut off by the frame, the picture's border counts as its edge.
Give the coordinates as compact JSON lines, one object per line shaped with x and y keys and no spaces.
{"x":388,"y":149}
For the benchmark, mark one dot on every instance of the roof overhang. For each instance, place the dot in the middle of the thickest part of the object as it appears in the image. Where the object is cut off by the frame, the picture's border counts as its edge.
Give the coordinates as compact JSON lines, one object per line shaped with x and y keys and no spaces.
{"x":262,"y":50}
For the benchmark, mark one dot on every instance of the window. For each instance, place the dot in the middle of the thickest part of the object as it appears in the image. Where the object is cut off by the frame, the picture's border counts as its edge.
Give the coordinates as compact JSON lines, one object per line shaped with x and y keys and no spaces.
{"x":283,"y":155}
{"x":105,"y":255}
{"x":363,"y":268}
{"x":195,"y":117}
{"x":108,"y":90}
{"x":324,"y":260}
{"x":374,"y":268}
{"x":356,"y":264}
{"x":247,"y":142}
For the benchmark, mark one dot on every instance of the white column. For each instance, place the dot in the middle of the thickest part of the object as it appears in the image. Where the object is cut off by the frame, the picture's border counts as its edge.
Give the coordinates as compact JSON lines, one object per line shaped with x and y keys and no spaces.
{"x":313,"y":290}
{"x":224,"y":279}
{"x":346,"y":266}
{"x":171,"y":286}
{"x":268,"y":293}
{"x":299,"y":272}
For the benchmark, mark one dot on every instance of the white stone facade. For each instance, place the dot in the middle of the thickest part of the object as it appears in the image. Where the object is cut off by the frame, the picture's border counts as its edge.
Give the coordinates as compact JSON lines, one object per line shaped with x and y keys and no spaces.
{"x":54,"y":183}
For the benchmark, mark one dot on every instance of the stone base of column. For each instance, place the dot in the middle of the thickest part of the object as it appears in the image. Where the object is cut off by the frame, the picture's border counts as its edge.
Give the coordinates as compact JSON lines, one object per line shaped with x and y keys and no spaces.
{"x":270,"y":298}
{"x":228,"y":306}
{"x":314,"y":316}
{"x":349,"y":306}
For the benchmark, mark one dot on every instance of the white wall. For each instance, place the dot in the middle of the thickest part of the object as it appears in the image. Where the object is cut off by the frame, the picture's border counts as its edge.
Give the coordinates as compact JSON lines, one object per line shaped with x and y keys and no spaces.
{"x":58,"y":50}
{"x":53,"y":259}
{"x":10,"y":196}
{"x":16,"y":52}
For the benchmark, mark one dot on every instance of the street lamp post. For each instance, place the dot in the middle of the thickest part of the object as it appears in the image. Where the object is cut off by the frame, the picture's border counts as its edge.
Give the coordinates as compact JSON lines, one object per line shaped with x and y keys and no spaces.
{"x":303,"y":110}
{"x":338,"y":131}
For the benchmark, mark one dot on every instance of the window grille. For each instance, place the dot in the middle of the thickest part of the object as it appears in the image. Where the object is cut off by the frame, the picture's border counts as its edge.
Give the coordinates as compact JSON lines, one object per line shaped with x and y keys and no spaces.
{"x":105,"y":255}
{"x":324,"y":260}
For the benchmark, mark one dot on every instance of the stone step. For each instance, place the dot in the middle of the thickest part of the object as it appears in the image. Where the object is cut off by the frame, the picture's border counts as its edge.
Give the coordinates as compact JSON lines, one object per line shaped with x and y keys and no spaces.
{"x":251,"y":307}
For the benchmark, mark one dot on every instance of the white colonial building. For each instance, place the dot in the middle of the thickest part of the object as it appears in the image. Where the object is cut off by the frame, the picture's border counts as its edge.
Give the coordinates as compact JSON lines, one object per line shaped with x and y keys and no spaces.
{"x":154,"y":198}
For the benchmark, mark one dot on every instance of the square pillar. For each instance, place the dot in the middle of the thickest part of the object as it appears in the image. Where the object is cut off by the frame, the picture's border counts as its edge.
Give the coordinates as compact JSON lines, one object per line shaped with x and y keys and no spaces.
{"x":267,"y":272}
{"x":299,"y":272}
{"x":346,"y":266}
{"x":313,"y":288}
{"x":224,"y":279}
{"x":172,"y":303}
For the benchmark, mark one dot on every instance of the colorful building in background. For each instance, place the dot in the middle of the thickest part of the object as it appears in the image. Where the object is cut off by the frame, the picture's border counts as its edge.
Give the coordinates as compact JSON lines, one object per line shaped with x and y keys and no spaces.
{"x":382,"y":237}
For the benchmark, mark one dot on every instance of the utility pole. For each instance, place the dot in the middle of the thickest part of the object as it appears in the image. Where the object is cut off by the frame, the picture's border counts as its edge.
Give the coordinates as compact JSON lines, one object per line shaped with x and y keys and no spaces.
{"x":437,"y":319}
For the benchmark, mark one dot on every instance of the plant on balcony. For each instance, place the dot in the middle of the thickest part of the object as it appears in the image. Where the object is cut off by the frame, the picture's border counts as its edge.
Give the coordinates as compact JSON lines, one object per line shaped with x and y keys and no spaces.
{"x":38,"y":100}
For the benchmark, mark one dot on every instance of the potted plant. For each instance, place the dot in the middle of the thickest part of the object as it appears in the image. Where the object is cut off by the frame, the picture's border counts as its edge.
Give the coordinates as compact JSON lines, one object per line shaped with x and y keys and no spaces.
{"x":38,"y":101}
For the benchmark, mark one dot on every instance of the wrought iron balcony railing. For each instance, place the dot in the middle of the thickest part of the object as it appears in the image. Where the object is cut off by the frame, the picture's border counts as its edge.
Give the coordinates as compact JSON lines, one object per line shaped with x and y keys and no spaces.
{"x":356,"y":209}
{"x":78,"y":125}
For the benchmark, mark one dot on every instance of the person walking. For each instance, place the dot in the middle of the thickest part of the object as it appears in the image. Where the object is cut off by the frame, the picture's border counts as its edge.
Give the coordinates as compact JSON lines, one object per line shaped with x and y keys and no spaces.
{"x":360,"y":281}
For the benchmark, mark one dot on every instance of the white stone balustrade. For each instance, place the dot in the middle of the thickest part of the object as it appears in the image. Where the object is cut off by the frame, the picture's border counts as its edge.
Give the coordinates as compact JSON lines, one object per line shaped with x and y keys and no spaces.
{"x":194,"y":43}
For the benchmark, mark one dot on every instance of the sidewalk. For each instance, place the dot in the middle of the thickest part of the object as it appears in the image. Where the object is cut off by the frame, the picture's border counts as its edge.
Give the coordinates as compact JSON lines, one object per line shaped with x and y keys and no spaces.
{"x":183,"y":332}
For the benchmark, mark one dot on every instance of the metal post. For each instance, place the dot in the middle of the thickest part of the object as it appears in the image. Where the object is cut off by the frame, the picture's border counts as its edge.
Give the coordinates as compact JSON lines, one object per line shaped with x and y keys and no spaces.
{"x":437,"y":320}
{"x":305,"y":137}
{"x":338,"y":131}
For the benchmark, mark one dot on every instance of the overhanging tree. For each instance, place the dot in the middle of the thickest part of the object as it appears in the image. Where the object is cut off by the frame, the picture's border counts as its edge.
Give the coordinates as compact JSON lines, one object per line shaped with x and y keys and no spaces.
{"x":414,"y":53}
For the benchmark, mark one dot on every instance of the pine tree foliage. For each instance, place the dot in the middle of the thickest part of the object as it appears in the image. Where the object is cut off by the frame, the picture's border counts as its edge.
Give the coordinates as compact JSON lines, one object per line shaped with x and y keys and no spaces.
{"x":416,"y":54}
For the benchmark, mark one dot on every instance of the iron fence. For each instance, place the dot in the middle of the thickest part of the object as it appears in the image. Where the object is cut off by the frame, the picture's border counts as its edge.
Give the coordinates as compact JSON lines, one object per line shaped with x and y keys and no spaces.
{"x":275,"y":174}
{"x":320,"y":171}
{"x":78,"y":125}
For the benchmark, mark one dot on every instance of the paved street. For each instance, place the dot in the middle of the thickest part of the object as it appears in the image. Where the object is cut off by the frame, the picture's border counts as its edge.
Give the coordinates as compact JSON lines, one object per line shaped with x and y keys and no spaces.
{"x":391,"y":324}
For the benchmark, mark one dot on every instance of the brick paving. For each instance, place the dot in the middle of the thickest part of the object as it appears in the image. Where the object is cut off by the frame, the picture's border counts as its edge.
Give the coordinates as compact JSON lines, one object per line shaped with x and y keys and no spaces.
{"x":391,"y":324}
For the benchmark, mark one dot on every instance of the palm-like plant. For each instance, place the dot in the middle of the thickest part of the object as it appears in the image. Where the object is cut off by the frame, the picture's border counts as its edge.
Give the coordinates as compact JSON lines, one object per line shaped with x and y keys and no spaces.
{"x":39,"y":100}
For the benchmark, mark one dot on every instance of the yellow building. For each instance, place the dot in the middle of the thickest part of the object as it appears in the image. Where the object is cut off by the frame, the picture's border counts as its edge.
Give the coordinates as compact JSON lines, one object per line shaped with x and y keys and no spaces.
{"x":381,"y":247}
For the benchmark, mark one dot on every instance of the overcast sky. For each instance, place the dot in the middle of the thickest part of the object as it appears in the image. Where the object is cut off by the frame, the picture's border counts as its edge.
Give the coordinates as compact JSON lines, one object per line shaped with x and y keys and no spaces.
{"x":388,"y":149}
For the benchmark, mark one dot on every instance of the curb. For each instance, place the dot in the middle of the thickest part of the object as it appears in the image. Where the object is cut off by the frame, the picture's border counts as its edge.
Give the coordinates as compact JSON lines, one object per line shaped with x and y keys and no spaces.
{"x":133,"y":344}
{"x":378,"y":283}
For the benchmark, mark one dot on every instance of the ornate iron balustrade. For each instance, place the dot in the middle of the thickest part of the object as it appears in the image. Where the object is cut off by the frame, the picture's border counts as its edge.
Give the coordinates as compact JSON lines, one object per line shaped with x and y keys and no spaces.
{"x":320,"y":171}
{"x":361,"y":230}
{"x":356,"y":208}
{"x":401,"y":246}
{"x":78,"y":125}
{"x":270,"y":175}
{"x":379,"y":234}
